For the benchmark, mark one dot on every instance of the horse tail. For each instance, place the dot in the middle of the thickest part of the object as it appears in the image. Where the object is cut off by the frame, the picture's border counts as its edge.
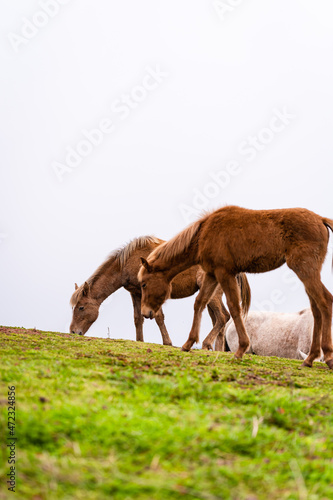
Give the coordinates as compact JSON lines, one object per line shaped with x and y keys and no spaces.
{"x":245,"y":291}
{"x":329,"y":224}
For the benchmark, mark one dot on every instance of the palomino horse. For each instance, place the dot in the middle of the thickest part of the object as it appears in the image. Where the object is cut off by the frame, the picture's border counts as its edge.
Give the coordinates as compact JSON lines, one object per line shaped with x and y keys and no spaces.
{"x":232,"y":240}
{"x":285,"y":335}
{"x":121,"y":269}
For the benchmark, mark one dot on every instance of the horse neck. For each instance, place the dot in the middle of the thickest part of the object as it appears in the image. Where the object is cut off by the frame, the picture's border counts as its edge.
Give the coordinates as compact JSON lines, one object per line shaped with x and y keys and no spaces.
{"x":179,"y":263}
{"x":106,"y":283}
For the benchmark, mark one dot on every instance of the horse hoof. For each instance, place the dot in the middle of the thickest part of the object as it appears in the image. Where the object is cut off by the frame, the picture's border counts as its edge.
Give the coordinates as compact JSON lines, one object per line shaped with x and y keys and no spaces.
{"x":185,"y":349}
{"x":330,"y":364}
{"x":305,"y":365}
{"x":207,"y":347}
{"x":238,"y":357}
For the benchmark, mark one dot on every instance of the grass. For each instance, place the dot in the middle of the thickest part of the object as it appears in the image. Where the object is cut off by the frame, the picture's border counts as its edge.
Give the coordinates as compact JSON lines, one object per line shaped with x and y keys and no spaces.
{"x":100,"y":418}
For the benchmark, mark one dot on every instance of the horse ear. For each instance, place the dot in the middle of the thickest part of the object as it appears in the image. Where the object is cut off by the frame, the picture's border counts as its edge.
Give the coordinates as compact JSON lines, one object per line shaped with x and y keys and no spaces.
{"x":86,"y":288}
{"x":145,"y":264}
{"x":76,"y":287}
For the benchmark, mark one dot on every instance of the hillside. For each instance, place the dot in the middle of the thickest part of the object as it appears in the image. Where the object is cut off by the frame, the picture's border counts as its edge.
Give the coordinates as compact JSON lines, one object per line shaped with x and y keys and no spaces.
{"x":100,"y":418}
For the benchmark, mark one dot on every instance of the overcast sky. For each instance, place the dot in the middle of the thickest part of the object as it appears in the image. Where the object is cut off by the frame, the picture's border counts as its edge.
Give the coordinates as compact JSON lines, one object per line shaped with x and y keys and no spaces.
{"x":197,"y":103}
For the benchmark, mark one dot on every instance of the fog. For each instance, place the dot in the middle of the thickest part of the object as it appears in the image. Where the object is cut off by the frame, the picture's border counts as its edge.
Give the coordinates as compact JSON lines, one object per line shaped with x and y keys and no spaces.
{"x":121,"y":119}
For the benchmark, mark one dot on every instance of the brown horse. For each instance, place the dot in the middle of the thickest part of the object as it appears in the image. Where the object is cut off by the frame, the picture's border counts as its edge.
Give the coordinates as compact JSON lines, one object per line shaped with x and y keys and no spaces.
{"x":121,"y":269}
{"x":232,"y":240}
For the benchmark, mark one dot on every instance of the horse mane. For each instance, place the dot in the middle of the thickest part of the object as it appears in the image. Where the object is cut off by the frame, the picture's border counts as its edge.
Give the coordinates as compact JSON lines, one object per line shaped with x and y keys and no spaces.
{"x":119,"y":256}
{"x":178,"y":244}
{"x":122,"y":254}
{"x":76,"y":296}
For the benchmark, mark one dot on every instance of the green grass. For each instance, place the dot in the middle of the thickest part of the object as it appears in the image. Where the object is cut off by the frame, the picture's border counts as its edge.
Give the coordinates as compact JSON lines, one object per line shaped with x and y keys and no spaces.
{"x":99,"y":419}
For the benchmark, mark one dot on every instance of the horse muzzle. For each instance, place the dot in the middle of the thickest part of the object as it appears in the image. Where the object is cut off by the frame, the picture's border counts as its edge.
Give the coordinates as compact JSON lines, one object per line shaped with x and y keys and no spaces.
{"x":147,"y":313}
{"x":77,"y":333}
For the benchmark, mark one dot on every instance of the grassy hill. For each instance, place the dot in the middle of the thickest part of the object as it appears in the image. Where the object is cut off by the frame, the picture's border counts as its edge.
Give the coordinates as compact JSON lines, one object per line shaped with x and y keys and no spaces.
{"x":99,"y":419}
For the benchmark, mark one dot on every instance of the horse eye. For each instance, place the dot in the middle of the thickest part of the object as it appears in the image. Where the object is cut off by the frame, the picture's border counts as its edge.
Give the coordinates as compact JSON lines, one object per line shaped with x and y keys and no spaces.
{"x":143,"y":285}
{"x":81,"y":308}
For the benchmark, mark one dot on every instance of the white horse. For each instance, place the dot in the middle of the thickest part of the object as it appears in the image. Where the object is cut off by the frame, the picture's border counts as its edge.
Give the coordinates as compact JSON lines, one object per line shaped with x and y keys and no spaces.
{"x":285,"y":335}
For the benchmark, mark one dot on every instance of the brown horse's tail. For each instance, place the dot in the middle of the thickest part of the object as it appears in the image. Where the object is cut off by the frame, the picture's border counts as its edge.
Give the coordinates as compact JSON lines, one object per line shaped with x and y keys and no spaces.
{"x":329,"y":224}
{"x":245,"y":291}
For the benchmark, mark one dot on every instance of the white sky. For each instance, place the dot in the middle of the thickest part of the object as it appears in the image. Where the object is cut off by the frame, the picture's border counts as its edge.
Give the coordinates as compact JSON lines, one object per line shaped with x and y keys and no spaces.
{"x":228,"y":75}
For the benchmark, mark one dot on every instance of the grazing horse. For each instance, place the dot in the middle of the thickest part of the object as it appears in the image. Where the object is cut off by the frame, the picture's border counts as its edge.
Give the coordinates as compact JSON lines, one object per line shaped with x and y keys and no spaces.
{"x":121,"y":269}
{"x":285,"y":335}
{"x":233,"y":240}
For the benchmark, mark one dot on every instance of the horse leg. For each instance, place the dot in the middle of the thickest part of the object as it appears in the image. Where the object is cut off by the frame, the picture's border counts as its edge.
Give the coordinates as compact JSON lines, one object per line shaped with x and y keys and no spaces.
{"x":322,"y":335}
{"x":230,"y":287}
{"x":316,"y":335}
{"x":220,"y":344}
{"x":321,"y":300}
{"x":214,"y":333}
{"x":206,"y":291}
{"x":138,"y":318}
{"x":326,"y":343}
{"x":159,"y":318}
{"x":214,"y":307}
{"x":217,"y":333}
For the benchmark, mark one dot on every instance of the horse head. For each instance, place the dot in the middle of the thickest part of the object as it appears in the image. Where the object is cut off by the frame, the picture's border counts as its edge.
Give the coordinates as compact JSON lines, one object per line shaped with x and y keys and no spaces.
{"x":155,"y":289}
{"x":85,"y":309}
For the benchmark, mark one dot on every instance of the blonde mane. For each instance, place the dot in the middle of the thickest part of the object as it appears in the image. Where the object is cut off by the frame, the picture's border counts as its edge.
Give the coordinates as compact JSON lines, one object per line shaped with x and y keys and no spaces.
{"x":122,"y":254}
{"x":119,"y":256}
{"x":178,"y":244}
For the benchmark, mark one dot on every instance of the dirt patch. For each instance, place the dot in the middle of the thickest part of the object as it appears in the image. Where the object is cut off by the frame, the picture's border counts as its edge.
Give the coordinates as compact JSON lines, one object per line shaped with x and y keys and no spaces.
{"x":18,"y":331}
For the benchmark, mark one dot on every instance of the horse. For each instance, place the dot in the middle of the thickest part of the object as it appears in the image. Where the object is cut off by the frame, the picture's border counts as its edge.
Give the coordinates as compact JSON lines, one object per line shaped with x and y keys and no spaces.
{"x":120,"y":270}
{"x":232,"y":240}
{"x":285,"y":335}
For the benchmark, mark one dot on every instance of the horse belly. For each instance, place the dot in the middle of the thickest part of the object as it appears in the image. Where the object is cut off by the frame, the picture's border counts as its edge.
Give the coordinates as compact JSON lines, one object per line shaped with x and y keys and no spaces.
{"x":185,"y":283}
{"x":243,"y":254}
{"x":253,"y":261}
{"x":261,"y":264}
{"x":258,"y":253}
